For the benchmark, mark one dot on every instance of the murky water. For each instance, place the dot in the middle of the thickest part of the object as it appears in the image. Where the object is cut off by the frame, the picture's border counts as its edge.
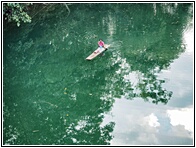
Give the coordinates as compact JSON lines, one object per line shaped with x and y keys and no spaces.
{"x":140,"y":92}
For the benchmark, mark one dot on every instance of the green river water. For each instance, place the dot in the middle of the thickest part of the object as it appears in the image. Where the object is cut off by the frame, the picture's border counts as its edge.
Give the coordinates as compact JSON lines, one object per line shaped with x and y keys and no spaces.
{"x":140,"y":92}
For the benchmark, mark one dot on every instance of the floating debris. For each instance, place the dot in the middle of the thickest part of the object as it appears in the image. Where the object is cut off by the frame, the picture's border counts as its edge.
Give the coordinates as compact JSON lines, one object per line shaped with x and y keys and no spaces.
{"x":65,"y":90}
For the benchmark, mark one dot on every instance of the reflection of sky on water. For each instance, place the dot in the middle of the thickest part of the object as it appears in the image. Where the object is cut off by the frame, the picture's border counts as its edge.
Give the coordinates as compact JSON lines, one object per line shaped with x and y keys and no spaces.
{"x":137,"y":121}
{"x":142,"y":123}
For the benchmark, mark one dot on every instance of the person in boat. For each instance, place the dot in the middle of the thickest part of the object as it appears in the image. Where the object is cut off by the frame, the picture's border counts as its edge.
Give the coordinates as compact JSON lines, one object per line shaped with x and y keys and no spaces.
{"x":101,"y":43}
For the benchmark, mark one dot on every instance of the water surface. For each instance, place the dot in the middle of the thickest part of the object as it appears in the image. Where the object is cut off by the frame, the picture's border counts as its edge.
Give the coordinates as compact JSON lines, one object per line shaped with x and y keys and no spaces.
{"x":140,"y":92}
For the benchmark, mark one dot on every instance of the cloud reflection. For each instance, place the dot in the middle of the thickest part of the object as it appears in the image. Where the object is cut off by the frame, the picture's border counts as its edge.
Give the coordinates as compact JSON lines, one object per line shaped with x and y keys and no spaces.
{"x":152,"y":120}
{"x":188,"y":39}
{"x":183,"y":116}
{"x":140,"y":123}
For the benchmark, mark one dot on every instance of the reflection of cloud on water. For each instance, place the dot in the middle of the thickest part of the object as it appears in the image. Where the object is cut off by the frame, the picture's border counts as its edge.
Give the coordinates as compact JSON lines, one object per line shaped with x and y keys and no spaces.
{"x":133,"y":126}
{"x":180,"y":73}
{"x":180,"y":79}
{"x":81,"y":124}
{"x":152,"y":120}
{"x":140,"y":123}
{"x":188,"y":40}
{"x":188,"y":34}
{"x":183,"y":117}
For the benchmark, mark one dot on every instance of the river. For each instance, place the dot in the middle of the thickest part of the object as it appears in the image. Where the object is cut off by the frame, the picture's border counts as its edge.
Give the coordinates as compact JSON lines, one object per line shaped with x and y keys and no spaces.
{"x":139,"y":92}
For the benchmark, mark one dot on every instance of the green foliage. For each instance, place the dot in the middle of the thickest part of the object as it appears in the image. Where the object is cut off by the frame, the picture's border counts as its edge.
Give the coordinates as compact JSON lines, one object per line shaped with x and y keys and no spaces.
{"x":16,"y":12}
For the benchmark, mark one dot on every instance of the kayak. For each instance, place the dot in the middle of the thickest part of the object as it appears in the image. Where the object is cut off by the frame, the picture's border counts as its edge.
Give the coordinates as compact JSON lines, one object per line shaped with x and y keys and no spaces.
{"x":98,"y":51}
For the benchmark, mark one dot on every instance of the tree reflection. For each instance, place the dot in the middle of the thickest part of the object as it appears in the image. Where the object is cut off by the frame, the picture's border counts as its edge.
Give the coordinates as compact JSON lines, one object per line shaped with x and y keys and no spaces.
{"x":148,"y":46}
{"x":151,"y":88}
{"x":66,"y":97}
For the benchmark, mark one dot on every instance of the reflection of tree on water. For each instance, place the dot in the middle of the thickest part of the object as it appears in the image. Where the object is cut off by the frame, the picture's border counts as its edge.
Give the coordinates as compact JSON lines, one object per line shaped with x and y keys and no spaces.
{"x":148,"y":87}
{"x":151,"y":88}
{"x":83,"y":118}
{"x":74,"y":116}
{"x":149,"y":46}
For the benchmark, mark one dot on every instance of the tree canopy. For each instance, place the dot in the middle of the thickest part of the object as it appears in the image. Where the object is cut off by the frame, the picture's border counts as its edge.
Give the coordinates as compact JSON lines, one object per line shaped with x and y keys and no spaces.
{"x":16,"y":12}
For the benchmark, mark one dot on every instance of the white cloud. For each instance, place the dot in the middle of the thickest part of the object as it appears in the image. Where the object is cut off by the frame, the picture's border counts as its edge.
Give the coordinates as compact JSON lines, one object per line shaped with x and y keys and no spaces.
{"x":184,"y":116}
{"x":188,"y":37}
{"x":152,"y":120}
